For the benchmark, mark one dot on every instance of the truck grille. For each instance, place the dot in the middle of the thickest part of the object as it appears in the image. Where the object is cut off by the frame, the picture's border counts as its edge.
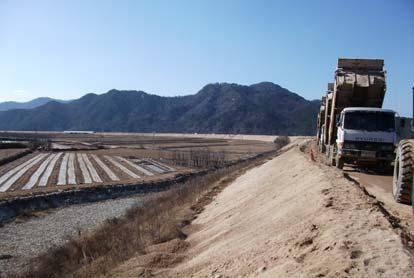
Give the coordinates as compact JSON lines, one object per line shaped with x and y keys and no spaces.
{"x":368,"y":146}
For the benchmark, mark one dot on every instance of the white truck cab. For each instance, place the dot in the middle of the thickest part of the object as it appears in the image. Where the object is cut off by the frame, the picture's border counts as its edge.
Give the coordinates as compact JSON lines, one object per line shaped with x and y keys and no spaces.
{"x":365,"y":135}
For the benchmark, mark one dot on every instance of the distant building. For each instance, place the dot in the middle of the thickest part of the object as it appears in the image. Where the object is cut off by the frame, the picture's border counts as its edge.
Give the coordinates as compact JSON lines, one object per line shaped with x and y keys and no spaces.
{"x":79,"y":132}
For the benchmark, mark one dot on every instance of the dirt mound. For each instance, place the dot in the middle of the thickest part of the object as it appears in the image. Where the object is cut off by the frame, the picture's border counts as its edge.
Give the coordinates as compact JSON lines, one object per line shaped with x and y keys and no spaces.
{"x":290,"y":217}
{"x":157,"y":258}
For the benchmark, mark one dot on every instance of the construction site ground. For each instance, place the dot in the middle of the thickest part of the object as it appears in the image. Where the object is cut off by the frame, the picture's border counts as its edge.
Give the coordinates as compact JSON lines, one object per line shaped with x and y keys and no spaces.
{"x":290,"y":217}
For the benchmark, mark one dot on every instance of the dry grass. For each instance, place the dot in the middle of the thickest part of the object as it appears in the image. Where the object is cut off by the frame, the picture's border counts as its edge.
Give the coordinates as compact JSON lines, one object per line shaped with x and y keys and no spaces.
{"x":199,"y":158}
{"x":160,"y":219}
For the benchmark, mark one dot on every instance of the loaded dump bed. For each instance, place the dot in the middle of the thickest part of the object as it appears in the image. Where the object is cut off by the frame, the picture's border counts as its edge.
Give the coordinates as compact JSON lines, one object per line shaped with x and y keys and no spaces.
{"x":358,"y":83}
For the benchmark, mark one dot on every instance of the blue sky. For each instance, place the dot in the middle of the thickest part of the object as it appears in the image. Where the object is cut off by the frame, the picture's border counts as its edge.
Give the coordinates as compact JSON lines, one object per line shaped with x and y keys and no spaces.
{"x":65,"y":49}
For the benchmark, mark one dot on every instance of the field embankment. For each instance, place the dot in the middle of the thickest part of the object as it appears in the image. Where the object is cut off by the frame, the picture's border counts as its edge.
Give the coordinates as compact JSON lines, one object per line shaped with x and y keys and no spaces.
{"x":289,"y":217}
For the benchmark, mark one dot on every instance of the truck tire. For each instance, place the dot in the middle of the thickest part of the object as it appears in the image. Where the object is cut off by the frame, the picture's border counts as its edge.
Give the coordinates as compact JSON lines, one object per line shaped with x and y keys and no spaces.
{"x":403,"y":172}
{"x":321,"y":147}
{"x":412,"y":196}
{"x":332,"y":161}
{"x":339,"y":162}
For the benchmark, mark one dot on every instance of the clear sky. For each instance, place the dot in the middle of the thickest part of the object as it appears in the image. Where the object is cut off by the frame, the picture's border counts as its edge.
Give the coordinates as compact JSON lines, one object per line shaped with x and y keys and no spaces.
{"x":65,"y":49}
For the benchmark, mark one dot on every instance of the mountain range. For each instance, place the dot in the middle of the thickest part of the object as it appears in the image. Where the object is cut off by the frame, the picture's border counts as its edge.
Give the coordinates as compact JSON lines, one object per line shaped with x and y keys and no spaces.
{"x":9,"y":105}
{"x":263,"y":108}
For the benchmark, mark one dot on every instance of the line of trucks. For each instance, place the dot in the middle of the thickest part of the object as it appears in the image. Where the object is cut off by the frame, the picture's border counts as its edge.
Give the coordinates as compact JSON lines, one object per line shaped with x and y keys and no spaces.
{"x":353,"y":128}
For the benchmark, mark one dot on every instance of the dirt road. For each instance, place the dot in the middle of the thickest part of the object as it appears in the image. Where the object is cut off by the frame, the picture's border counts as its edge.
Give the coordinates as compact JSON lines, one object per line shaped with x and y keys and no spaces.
{"x":380,"y":186}
{"x":290,"y":217}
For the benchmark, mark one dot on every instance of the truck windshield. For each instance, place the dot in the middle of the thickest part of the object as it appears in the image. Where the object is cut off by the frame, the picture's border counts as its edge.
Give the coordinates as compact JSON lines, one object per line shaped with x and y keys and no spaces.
{"x":369,"y":121}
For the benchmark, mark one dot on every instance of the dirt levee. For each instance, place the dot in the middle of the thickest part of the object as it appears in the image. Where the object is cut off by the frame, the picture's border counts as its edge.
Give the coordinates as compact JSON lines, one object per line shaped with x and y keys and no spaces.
{"x":288,"y":218}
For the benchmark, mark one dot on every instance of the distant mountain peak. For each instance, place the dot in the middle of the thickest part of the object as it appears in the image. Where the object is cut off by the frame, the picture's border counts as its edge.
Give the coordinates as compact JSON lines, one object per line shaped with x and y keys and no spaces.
{"x":262,"y":108}
{"x":9,"y":105}
{"x":266,"y":84}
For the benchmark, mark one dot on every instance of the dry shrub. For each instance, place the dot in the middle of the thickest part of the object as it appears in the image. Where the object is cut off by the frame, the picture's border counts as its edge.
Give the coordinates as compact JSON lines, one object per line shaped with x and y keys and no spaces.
{"x":40,"y":144}
{"x":281,"y":141}
{"x":199,"y":158}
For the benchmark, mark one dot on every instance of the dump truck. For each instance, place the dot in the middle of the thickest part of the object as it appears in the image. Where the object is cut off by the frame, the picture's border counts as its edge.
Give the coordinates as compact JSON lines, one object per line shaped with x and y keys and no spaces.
{"x":320,"y":125}
{"x":403,"y":182}
{"x":355,"y":129}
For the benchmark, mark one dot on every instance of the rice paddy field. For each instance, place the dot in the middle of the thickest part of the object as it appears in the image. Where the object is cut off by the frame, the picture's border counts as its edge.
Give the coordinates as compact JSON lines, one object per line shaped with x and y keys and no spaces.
{"x":57,"y":170}
{"x":89,"y":160}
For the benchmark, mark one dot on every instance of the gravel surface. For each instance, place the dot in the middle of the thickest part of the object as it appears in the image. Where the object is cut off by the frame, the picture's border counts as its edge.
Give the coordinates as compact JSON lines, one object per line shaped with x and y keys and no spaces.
{"x":27,"y":239}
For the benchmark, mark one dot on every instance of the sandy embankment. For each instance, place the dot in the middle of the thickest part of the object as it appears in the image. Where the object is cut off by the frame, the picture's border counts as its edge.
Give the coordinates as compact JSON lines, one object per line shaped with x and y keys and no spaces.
{"x":290,"y":217}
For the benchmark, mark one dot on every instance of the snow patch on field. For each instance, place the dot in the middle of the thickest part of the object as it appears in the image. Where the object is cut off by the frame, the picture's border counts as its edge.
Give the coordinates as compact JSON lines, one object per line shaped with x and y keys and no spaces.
{"x":71,"y":169}
{"x":24,"y":169}
{"x":75,"y":168}
{"x":106,"y":169}
{"x":92,"y":171}
{"x":36,"y":175}
{"x":63,"y":170}
{"x":85,"y":172}
{"x":139,"y":168}
{"x":45,"y":178}
{"x":122,"y":167}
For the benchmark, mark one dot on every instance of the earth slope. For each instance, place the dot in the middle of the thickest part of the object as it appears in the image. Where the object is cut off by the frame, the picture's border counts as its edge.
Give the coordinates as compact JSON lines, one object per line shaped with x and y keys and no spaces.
{"x":290,"y":217}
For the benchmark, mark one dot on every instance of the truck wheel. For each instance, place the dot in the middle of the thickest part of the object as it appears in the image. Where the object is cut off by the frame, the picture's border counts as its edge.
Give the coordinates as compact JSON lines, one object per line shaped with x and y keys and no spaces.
{"x":321,"y":148}
{"x":332,"y":160}
{"x":339,"y":162}
{"x":412,"y":196}
{"x":403,"y":172}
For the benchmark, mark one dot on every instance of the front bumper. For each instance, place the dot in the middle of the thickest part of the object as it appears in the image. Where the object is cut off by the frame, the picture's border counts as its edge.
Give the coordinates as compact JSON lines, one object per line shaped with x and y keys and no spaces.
{"x":350,"y":155}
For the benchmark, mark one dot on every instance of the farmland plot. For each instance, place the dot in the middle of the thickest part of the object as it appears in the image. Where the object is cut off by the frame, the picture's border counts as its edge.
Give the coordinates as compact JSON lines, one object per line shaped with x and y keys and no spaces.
{"x":139,"y":168}
{"x":105,"y":168}
{"x":12,"y":176}
{"x":85,"y":172}
{"x":35,"y":177}
{"x":94,"y":175}
{"x":62,"y":170}
{"x":49,"y":169}
{"x":122,"y":167}
{"x":72,"y":168}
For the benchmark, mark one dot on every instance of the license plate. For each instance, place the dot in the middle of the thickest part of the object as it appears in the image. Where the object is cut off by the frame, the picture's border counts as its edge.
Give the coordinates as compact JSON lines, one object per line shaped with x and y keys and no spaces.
{"x":367,"y":154}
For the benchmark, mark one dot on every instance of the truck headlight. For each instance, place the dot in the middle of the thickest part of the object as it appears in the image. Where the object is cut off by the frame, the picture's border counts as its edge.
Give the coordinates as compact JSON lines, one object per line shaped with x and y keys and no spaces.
{"x":349,"y":146}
